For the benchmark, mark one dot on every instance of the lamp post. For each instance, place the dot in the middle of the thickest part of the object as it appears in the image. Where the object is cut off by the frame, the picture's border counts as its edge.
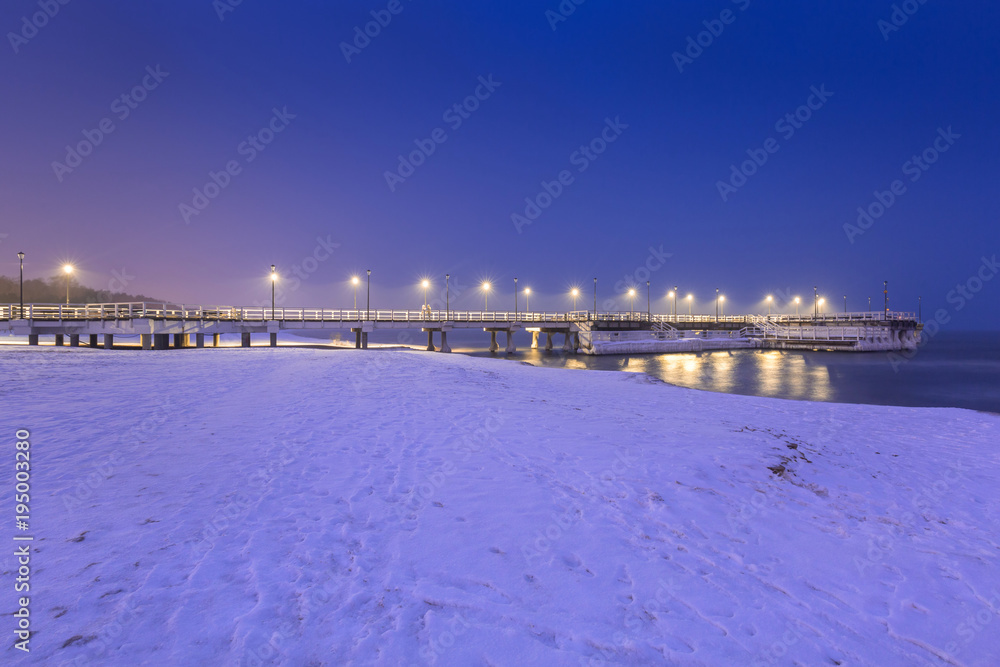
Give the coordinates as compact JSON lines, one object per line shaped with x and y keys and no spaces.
{"x":820,"y":303}
{"x":845,"y":304}
{"x":274,"y":279}
{"x":425,"y":284}
{"x":716,"y":304}
{"x":722,"y":305}
{"x":769,"y":300}
{"x":355,"y":281}
{"x":869,"y":304}
{"x":690,"y":299}
{"x":575,"y":293}
{"x":797,"y":301}
{"x":672,"y":307}
{"x":648,"y":318}
{"x":447,"y":298}
{"x":515,"y":298}
{"x":815,"y":302}
{"x":68,"y":270}
{"x":595,"y":298}
{"x":20,"y":312}
{"x":631,"y":303}
{"x":920,"y":312}
{"x":885,"y":294}
{"x":527,"y":300}
{"x":486,"y":297}
{"x":675,"y":303}
{"x":368,"y":298}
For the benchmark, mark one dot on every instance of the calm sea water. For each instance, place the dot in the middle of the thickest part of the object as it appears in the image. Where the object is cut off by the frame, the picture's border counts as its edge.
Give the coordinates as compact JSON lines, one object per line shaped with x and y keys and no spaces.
{"x":954,"y":369}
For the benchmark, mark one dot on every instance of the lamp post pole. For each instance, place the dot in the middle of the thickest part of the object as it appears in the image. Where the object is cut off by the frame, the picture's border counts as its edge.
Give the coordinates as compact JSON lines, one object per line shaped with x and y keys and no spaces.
{"x":515,"y":299}
{"x":845,"y":304}
{"x":885,"y":295}
{"x":68,"y":270}
{"x":690,"y":298}
{"x":648,"y":317}
{"x":447,"y":298}
{"x":273,"y":279}
{"x":595,"y":298}
{"x":815,"y":302}
{"x":920,"y":305}
{"x":368,"y":298}
{"x":716,"y":304}
{"x":675,"y":303}
{"x":20,"y":312}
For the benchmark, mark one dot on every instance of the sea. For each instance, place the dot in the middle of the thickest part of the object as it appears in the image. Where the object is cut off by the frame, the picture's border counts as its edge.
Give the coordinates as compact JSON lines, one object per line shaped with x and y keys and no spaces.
{"x":951,"y":369}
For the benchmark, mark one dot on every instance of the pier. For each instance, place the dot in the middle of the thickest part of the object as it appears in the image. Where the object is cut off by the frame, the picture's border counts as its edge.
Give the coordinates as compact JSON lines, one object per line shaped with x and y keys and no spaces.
{"x":160,"y":326}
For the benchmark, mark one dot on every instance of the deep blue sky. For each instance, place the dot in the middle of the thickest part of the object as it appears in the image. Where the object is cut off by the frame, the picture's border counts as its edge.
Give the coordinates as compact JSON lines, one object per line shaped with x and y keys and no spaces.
{"x":655,"y":186}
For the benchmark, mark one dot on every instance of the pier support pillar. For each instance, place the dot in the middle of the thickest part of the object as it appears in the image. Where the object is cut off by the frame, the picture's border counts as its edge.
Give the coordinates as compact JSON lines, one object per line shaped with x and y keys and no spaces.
{"x":534,"y":340}
{"x":147,"y":341}
{"x":511,"y":348}
{"x":364,"y":340}
{"x":493,"y":342}
{"x":33,"y":339}
{"x":444,"y":342}
{"x":180,"y":340}
{"x":357,"y":338}
{"x":109,"y":341}
{"x":74,"y":340}
{"x":274,"y":339}
{"x":430,"y":342}
{"x":59,"y":340}
{"x":568,"y":342}
{"x":576,"y":341}
{"x":199,"y":340}
{"x":93,"y":340}
{"x":216,"y":340}
{"x":161,"y":341}
{"x":244,"y":340}
{"x":548,"y":342}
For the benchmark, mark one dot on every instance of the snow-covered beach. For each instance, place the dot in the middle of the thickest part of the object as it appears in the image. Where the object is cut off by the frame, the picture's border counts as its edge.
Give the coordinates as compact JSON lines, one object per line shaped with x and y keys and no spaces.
{"x":326,"y":507}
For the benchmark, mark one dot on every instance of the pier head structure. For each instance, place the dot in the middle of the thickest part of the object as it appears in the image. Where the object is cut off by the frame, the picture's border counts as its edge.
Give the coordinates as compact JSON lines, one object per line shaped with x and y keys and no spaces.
{"x":159,"y":326}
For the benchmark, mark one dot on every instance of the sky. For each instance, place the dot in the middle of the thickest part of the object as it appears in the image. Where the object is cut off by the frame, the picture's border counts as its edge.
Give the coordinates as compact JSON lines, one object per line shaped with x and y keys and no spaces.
{"x":178,"y":149}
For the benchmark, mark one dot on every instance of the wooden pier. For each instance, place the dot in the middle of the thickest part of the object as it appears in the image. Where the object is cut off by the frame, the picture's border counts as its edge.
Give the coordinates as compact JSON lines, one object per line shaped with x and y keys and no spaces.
{"x":583,"y":331}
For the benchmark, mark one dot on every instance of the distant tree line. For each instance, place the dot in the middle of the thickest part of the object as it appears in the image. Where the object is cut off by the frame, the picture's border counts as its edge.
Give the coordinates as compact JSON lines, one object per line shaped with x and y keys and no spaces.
{"x":53,"y":290}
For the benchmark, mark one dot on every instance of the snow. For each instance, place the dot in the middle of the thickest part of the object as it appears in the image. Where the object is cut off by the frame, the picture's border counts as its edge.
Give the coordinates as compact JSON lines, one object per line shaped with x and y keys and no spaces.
{"x":400,"y":507}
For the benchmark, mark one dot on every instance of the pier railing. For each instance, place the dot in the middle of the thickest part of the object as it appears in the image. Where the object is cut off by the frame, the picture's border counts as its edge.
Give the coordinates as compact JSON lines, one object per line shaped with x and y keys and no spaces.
{"x":167,"y":311}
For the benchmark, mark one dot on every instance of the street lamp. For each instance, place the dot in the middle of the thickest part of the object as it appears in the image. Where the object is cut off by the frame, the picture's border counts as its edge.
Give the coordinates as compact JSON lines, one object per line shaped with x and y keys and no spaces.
{"x":425,"y":284}
{"x":527,"y":299}
{"x":819,"y":304}
{"x":716,"y":304}
{"x":769,"y":300}
{"x":722,"y":305}
{"x":690,"y":299}
{"x":486,"y":297}
{"x":920,"y":305}
{"x":797,"y":300}
{"x":595,"y":298}
{"x":631,"y":302}
{"x":274,"y":279}
{"x":885,"y":293}
{"x":515,"y":298}
{"x":648,"y":310}
{"x":869,"y":304}
{"x":815,"y":302}
{"x":368,"y":298}
{"x":447,"y":298}
{"x":675,"y":303}
{"x":355,"y":281}
{"x":20,"y":312}
{"x":575,"y":293}
{"x":68,"y":270}
{"x":845,"y":304}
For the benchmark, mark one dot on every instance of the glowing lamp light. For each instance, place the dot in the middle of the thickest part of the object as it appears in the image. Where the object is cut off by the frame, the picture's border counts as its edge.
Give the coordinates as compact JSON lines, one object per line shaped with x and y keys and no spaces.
{"x":425,"y":284}
{"x":67,"y":269}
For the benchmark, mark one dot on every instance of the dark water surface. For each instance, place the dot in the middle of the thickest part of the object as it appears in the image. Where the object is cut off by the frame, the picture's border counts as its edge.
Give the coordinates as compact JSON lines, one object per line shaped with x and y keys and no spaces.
{"x":958,"y":369}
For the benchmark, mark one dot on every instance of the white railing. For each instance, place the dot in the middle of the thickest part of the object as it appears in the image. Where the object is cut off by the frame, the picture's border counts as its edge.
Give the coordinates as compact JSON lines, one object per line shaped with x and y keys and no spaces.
{"x":169,"y":311}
